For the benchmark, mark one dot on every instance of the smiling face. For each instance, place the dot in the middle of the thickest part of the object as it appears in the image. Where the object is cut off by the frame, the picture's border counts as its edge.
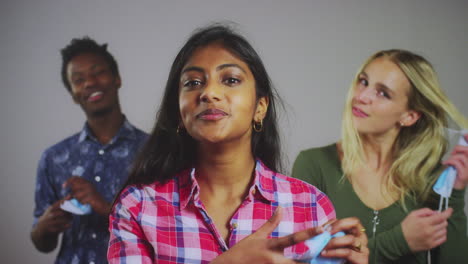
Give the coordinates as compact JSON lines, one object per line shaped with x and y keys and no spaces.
{"x":93,"y":86}
{"x":217,"y":96}
{"x":380,"y":99}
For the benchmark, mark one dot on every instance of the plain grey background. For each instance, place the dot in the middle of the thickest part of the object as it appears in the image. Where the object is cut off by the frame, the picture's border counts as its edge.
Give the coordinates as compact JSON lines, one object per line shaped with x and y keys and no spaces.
{"x":311,"y":50}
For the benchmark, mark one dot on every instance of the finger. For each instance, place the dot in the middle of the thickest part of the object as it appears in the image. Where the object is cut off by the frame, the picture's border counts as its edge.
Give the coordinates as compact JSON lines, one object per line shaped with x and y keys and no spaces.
{"x":350,"y":255}
{"x":344,"y":241}
{"x":440,"y":217}
{"x":289,"y":240}
{"x":70,"y":181}
{"x":270,"y":225}
{"x":423,"y":212}
{"x":349,"y":225}
{"x":68,"y":197}
{"x":457,"y":161}
{"x":337,"y":253}
{"x":440,"y":234}
{"x":439,"y":241}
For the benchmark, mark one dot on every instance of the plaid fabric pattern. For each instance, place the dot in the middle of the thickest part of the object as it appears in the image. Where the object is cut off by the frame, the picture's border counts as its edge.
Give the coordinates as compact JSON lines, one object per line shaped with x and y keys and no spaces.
{"x":167,"y":223}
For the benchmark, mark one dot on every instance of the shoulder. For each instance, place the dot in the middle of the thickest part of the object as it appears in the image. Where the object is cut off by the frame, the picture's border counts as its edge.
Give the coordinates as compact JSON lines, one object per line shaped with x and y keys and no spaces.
{"x":141,"y":134}
{"x":146,"y":193}
{"x":296,"y":186}
{"x":321,"y":153}
{"x":60,"y":148}
{"x":138,"y":133}
{"x":326,"y":156}
{"x":304,"y":196}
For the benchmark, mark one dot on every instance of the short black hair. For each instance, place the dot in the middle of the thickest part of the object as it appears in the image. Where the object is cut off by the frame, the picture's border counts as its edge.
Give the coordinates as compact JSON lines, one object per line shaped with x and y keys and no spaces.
{"x":78,"y":46}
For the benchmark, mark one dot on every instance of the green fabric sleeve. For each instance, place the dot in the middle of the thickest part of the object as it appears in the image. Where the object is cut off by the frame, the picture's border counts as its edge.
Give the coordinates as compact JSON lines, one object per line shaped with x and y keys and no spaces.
{"x":455,"y":249}
{"x":389,"y":246}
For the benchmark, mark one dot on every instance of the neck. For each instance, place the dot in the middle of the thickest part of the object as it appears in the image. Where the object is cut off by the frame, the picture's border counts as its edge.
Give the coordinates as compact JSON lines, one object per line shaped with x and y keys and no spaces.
{"x":378,"y":149}
{"x":106,"y":126}
{"x":225,"y":170}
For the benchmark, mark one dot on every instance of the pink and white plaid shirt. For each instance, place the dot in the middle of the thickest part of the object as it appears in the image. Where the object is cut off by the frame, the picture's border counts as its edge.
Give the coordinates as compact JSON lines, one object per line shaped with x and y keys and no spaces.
{"x":167,"y":223}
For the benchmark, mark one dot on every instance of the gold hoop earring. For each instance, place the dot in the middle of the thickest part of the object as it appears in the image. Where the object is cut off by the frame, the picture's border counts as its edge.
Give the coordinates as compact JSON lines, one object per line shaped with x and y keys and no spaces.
{"x":258,"y":126}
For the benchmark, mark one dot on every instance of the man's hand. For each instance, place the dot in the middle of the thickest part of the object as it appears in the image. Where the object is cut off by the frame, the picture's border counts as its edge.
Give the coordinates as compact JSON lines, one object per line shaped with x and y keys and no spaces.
{"x":51,"y":223}
{"x":86,"y":193}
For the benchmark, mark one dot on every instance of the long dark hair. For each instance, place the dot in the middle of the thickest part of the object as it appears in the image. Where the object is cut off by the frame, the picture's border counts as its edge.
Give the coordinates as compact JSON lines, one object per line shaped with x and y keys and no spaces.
{"x":169,"y":151}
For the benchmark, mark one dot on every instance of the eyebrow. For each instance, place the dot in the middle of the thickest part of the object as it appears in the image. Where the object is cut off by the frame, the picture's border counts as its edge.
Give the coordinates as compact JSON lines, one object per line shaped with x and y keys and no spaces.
{"x":220,"y":67}
{"x":380,"y":85}
{"x":224,"y":66}
{"x":93,"y":67}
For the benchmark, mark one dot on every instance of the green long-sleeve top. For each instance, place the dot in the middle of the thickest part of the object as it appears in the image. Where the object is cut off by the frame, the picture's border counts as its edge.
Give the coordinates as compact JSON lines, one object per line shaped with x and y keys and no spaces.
{"x":321,"y":167}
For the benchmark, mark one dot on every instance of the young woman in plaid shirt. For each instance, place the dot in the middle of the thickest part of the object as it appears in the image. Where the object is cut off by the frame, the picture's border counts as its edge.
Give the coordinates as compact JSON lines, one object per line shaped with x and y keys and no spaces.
{"x":205,"y":188}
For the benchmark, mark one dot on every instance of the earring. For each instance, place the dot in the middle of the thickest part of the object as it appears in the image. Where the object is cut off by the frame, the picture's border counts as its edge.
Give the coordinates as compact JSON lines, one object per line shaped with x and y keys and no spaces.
{"x":178,"y":129}
{"x":258,"y":126}
{"x":402,"y":124}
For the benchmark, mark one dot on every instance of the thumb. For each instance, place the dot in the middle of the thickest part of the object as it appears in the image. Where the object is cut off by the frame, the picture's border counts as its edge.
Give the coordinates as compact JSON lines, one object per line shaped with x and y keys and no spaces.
{"x":447,"y":213}
{"x":270,"y":224}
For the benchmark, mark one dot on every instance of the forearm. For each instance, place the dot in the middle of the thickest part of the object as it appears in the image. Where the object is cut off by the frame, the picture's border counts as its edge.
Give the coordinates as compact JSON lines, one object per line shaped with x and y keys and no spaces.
{"x":389,"y":245}
{"x":454,"y":249}
{"x":44,"y":242}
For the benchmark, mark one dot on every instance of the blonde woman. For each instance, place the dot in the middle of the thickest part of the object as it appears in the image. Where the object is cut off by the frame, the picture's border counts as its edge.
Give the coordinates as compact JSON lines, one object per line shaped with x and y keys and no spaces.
{"x":383,"y":169}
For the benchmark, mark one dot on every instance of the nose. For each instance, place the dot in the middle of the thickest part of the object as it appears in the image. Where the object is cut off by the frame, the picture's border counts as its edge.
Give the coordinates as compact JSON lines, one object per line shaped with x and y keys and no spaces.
{"x":364,"y":95}
{"x":90,"y":80}
{"x":211,"y":92}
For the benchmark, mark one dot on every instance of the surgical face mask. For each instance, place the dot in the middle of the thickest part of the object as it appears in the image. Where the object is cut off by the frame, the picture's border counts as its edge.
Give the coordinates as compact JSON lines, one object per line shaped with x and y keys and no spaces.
{"x":316,"y":244}
{"x":446,"y":180}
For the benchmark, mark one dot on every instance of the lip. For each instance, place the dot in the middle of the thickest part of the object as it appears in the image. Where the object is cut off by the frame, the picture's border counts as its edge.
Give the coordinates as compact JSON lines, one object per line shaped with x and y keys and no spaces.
{"x":211,"y":114}
{"x":95,"y":96}
{"x":357,"y":112}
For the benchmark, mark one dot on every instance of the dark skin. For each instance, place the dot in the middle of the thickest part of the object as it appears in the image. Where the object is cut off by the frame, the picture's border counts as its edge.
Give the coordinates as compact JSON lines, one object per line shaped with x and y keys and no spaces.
{"x":95,"y":89}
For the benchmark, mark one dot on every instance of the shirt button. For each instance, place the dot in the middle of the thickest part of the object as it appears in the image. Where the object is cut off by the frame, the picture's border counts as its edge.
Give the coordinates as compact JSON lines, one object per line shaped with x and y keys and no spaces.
{"x":97,"y":178}
{"x":93,"y":235}
{"x":101,"y":152}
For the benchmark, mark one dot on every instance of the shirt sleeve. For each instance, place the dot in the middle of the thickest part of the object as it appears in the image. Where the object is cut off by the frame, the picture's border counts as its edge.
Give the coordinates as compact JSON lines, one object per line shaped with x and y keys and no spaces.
{"x":44,"y":195}
{"x":389,"y":245}
{"x":127,"y":243}
{"x":325,"y":209}
{"x":455,"y":249}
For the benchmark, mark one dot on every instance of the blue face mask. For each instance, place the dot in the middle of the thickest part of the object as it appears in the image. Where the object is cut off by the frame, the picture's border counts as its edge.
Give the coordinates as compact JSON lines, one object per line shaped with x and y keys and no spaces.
{"x":444,"y":183}
{"x":316,"y":245}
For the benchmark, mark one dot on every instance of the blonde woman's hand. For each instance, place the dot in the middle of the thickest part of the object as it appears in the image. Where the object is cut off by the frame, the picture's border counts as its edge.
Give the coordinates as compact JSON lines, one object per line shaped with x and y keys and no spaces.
{"x":352,"y":246}
{"x":258,"y":248}
{"x":425,"y":229}
{"x":459,"y":159}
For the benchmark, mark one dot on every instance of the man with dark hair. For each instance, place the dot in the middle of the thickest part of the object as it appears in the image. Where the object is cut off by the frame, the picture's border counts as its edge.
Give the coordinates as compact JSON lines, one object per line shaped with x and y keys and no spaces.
{"x":88,"y":167}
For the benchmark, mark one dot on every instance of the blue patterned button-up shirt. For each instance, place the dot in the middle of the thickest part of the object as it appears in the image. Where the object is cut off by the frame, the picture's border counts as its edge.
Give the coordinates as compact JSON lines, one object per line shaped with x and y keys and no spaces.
{"x":106,"y":166}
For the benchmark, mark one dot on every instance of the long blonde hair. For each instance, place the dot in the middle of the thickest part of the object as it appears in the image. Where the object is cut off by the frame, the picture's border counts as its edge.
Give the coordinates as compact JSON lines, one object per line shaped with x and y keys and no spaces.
{"x":418,"y":148}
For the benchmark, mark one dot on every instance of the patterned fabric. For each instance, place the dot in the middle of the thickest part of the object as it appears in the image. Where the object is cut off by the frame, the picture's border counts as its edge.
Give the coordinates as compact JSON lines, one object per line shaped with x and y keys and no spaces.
{"x":167,"y":223}
{"x":106,"y":166}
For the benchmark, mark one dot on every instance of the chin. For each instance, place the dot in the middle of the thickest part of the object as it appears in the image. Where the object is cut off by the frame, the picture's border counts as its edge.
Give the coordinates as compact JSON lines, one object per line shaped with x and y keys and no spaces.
{"x":102,"y":111}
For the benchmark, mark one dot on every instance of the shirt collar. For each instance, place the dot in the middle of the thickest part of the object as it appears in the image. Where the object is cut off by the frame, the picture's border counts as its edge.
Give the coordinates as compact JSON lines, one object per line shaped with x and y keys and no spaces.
{"x":263,"y":185}
{"x":127,"y":130}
